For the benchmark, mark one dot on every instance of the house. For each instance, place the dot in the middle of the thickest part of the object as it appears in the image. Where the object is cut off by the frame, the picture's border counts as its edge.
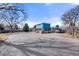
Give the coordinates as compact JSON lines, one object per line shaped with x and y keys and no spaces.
{"x":42,"y":27}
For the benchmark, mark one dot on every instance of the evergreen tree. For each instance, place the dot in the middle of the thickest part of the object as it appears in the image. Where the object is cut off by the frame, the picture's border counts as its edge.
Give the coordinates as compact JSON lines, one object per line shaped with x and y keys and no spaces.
{"x":26,"y":27}
{"x":1,"y":26}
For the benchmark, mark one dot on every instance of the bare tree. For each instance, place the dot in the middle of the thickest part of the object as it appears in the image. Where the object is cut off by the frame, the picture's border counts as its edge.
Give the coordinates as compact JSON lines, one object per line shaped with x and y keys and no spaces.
{"x":71,"y":17}
{"x":11,"y":15}
{"x":15,"y":26}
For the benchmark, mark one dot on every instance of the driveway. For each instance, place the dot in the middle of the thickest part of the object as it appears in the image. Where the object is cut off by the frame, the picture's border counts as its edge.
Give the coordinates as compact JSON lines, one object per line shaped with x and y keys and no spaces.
{"x":36,"y":44}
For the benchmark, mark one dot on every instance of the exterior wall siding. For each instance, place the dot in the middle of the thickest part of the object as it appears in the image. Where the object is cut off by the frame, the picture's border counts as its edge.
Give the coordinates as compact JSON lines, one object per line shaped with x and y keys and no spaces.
{"x":40,"y":26}
{"x":44,"y":26}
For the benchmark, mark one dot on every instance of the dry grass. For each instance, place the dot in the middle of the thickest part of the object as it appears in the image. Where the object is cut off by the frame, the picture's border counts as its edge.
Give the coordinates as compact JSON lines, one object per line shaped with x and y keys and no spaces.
{"x":77,"y":36}
{"x":66,"y":35}
{"x":4,"y":36}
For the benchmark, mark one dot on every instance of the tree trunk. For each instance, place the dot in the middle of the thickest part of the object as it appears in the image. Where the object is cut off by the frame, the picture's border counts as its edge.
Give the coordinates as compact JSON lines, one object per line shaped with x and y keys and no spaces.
{"x":73,"y":26}
{"x":11,"y":27}
{"x":73,"y":30}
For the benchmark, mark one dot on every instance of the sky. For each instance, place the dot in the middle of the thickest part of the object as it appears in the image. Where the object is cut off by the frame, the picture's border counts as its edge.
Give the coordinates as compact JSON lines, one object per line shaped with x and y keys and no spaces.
{"x":45,"y":12}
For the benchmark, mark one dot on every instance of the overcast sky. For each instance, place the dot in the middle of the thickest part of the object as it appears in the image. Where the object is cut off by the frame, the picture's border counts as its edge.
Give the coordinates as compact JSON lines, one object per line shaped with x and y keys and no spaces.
{"x":45,"y":12}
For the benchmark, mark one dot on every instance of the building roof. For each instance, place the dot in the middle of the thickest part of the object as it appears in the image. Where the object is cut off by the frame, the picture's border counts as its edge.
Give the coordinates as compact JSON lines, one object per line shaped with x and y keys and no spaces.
{"x":43,"y":23}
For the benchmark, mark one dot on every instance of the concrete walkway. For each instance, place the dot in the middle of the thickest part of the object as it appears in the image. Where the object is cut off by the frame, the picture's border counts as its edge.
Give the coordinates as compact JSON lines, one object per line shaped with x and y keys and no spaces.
{"x":35,"y":44}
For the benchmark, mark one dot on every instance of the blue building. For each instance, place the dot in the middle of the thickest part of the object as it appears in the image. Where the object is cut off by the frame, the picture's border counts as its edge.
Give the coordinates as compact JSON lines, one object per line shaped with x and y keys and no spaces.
{"x":43,"y":26}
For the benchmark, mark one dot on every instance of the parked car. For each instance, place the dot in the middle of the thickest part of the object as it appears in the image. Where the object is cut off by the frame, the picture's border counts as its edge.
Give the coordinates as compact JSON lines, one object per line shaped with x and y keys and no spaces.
{"x":59,"y":30}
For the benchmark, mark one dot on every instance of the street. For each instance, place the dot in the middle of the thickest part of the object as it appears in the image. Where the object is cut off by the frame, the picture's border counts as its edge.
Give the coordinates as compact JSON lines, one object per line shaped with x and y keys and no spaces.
{"x":36,"y":44}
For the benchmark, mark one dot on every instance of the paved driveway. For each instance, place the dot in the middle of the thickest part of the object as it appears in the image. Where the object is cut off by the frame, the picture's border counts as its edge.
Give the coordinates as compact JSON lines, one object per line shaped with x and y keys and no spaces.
{"x":35,"y":44}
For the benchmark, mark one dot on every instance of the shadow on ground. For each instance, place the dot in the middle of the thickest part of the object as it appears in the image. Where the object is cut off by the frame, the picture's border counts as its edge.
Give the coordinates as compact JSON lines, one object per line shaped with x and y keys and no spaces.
{"x":24,"y":48}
